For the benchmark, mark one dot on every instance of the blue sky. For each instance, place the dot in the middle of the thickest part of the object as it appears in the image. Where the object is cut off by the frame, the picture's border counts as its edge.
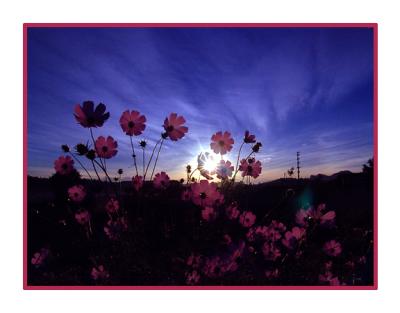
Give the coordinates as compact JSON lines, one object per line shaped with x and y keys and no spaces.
{"x":307,"y":90}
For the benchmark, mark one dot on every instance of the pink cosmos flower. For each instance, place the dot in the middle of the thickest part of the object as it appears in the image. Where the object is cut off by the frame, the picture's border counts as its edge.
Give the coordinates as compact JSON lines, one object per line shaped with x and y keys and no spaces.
{"x":192,"y":278}
{"x":173,"y":127}
{"x":87,"y":116}
{"x":328,"y":277}
{"x":251,"y":234}
{"x":132,"y":123}
{"x":232,"y":211}
{"x":328,"y":218}
{"x":40,"y":257}
{"x":332,"y":248}
{"x":221,"y":142}
{"x":249,"y":138}
{"x":229,"y":265}
{"x":227,"y":240}
{"x":137,"y":182}
{"x":224,"y":169}
{"x":112,"y":206}
{"x":262,"y":231}
{"x":77,"y":193}
{"x":161,"y":180}
{"x":293,"y":237}
{"x":208,"y":214}
{"x":212,"y":267}
{"x":250,"y":167}
{"x":99,"y":273}
{"x":259,"y":232}
{"x":270,"y":251}
{"x":186,"y":195}
{"x":106,"y":148}
{"x":273,"y":234}
{"x":114,"y":228}
{"x":82,"y":217}
{"x":328,"y":265}
{"x":219,"y":200}
{"x":362,"y":260}
{"x":334,"y":282}
{"x":304,"y":216}
{"x":277,"y":226}
{"x":205,"y":193}
{"x":194,"y":260}
{"x":247,"y":219}
{"x":272,"y":273}
{"x":64,"y":165}
{"x":325,"y":277}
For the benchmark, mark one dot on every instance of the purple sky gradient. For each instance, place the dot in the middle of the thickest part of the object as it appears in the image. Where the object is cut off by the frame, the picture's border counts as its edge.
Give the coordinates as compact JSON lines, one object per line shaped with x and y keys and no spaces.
{"x":307,"y":90}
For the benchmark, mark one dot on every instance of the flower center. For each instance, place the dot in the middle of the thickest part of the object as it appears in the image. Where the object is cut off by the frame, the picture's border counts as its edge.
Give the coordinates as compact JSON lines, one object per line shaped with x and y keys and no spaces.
{"x":131,"y":124}
{"x":249,"y":169}
{"x":203,"y":195}
{"x":64,"y":166}
{"x":221,"y":143}
{"x":104,"y":148}
{"x":170,"y":128}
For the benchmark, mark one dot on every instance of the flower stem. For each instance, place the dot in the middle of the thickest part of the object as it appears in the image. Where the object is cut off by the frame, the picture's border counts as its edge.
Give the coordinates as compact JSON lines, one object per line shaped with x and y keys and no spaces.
{"x":104,"y":170}
{"x":94,"y":143}
{"x":108,"y":177}
{"x":134,"y":156}
{"x":151,"y":157}
{"x":237,"y":162}
{"x":191,"y":174}
{"x":80,"y":163}
{"x":97,"y":174}
{"x":143,"y":161}
{"x":155,"y":162}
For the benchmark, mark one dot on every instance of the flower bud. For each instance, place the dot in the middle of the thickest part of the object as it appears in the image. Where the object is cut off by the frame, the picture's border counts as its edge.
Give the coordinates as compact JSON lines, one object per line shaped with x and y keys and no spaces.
{"x":81,"y":149}
{"x":91,"y":154}
{"x":256,"y":147}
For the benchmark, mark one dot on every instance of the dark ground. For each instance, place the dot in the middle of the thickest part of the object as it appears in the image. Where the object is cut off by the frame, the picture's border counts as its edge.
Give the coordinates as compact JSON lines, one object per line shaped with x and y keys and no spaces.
{"x":164,"y":231}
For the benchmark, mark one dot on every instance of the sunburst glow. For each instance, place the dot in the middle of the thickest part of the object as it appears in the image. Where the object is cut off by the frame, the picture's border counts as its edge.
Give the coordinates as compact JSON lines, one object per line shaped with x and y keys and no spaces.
{"x":210,"y":164}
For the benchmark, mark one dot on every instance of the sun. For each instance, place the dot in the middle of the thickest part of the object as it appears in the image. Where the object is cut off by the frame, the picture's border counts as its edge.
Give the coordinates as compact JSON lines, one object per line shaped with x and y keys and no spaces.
{"x":210,"y":164}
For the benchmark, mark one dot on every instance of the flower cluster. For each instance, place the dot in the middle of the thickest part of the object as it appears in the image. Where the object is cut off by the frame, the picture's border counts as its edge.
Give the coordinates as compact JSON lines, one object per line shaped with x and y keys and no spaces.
{"x":209,"y":230}
{"x":221,"y":144}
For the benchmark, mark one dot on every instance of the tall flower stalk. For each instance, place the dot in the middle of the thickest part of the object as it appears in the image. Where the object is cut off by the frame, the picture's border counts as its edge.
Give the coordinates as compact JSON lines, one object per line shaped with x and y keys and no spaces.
{"x":133,"y":124}
{"x":151,"y":158}
{"x":134,"y":156}
{"x":155,"y":162}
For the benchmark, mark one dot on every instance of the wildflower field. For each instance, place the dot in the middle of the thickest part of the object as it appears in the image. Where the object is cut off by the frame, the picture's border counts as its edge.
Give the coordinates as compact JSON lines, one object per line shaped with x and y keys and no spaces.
{"x":216,"y":226}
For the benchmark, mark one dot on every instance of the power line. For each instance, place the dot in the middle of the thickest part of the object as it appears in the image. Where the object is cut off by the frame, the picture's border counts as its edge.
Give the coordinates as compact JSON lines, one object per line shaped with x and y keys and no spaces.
{"x":298,"y":164}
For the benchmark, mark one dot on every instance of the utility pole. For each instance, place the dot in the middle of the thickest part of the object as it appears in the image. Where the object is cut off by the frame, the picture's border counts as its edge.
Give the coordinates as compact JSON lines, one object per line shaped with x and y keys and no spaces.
{"x":298,"y":165}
